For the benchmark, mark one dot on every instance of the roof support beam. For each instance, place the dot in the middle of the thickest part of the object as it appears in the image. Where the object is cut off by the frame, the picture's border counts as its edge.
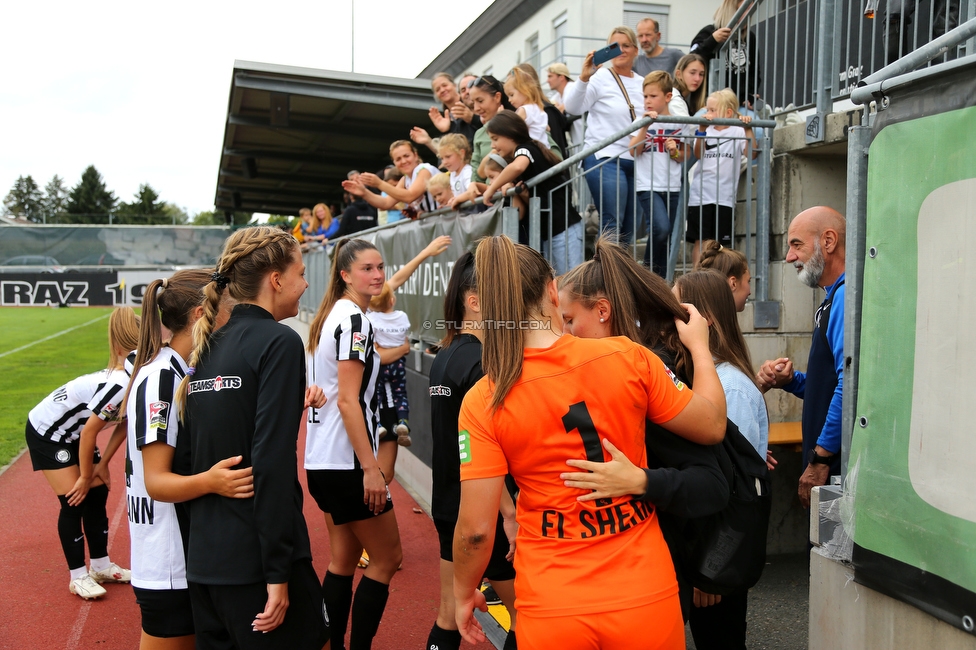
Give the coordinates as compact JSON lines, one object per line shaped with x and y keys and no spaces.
{"x":362,"y":93}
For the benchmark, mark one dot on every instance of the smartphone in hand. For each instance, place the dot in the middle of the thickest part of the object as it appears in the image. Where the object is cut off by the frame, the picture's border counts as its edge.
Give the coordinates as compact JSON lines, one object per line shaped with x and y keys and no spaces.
{"x":603,"y":55}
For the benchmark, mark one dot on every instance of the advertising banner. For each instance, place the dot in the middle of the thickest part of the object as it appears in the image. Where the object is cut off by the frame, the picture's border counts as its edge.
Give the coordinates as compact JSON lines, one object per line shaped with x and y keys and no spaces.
{"x":422,"y":296}
{"x":97,"y":289}
{"x":913,"y":453}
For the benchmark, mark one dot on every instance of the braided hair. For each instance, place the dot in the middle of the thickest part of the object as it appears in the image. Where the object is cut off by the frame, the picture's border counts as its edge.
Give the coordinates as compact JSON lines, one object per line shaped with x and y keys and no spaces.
{"x":248,"y":256}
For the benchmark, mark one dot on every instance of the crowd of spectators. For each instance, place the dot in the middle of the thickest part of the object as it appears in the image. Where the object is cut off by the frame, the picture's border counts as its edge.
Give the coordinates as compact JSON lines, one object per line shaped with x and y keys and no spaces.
{"x":565,"y":116}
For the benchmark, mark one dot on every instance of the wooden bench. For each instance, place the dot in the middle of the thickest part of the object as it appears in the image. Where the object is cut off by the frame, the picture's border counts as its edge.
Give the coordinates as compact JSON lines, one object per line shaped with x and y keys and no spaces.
{"x":786,"y":434}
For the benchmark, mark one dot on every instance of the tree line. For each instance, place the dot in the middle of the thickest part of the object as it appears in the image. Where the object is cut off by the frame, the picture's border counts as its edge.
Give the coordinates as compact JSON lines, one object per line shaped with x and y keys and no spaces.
{"x":91,"y":202}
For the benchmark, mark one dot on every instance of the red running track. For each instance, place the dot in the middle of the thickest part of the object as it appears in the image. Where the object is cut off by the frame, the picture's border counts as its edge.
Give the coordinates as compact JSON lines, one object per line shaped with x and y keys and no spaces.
{"x":37,"y":611}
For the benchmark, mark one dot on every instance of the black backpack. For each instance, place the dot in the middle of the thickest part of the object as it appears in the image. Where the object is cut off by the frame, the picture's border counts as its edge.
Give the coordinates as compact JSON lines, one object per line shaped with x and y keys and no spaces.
{"x":727,"y":551}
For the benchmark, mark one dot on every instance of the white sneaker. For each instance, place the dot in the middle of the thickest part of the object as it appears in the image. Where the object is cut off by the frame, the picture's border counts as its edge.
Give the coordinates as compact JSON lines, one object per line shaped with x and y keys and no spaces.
{"x":86,"y":587}
{"x":114,"y":573}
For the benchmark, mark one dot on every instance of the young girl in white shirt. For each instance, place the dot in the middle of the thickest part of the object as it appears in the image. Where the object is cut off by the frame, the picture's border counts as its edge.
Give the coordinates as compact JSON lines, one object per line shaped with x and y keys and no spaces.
{"x":711,"y":199}
{"x":455,"y":154}
{"x":526,"y":96}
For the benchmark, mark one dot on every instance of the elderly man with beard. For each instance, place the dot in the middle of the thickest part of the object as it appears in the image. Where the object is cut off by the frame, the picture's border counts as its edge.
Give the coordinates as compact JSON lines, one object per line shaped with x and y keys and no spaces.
{"x":816,"y":241}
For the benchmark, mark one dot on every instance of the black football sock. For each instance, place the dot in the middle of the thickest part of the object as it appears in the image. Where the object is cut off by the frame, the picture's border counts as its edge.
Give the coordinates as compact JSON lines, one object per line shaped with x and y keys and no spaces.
{"x":441,"y":639}
{"x":96,"y":521}
{"x":367,"y":610}
{"x":69,"y":530}
{"x":337,"y":594}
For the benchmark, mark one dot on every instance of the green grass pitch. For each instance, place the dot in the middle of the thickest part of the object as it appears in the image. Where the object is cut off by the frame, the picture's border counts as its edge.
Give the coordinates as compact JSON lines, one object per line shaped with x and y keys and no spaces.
{"x":27,"y":375}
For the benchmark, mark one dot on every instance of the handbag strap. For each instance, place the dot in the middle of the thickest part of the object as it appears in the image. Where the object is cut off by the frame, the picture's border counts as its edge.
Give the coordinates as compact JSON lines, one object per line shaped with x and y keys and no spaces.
{"x":620,"y":84}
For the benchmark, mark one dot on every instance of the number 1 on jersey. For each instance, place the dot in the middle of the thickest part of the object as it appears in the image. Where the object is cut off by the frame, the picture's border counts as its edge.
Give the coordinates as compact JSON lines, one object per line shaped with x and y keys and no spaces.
{"x":579,"y":419}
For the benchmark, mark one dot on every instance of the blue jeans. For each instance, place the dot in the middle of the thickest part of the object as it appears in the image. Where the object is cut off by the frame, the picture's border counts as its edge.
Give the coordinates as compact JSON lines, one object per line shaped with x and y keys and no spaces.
{"x":662,"y":214}
{"x":566,"y":249}
{"x":612,"y":187}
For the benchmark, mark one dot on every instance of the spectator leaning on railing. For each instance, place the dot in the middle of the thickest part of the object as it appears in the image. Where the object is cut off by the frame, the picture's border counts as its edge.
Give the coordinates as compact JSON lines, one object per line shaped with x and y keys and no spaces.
{"x":411,"y":189}
{"x":612,"y":96}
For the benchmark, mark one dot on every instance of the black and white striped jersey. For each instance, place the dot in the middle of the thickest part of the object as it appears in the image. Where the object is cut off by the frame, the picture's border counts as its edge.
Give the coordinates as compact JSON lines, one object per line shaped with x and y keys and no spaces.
{"x":158,"y":560}
{"x":426,"y":202}
{"x":346,"y":335}
{"x":61,"y":415}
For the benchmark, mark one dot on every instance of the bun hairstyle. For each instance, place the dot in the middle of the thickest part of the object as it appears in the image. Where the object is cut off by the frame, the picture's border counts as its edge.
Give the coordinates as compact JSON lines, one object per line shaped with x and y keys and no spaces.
{"x":461,"y":283}
{"x":709,"y":291}
{"x":642,"y":306}
{"x":123,"y":334}
{"x":512,"y":281}
{"x":730,"y":263}
{"x":343,"y":256}
{"x":249,"y":255}
{"x":508,"y":124}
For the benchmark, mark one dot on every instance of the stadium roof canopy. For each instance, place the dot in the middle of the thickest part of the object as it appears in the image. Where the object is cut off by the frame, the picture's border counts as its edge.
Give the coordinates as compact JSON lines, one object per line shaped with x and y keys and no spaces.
{"x":293,"y":133}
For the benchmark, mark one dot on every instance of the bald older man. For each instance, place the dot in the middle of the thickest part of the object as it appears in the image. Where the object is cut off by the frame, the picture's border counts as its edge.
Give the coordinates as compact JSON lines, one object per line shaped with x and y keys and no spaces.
{"x":816,"y":250}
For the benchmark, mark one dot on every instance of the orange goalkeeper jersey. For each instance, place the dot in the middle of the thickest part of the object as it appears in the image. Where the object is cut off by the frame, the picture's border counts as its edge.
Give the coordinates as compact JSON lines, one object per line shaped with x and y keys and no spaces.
{"x":576,"y":557}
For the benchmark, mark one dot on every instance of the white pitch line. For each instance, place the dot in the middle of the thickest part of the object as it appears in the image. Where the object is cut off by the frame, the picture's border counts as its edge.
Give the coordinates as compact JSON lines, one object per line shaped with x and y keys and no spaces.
{"x":74,"y":635}
{"x":53,"y":336}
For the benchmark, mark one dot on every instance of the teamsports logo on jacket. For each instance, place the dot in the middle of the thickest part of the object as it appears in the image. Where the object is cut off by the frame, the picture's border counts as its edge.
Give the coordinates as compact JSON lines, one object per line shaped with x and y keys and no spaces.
{"x":440,"y":391}
{"x":359,"y":342}
{"x":216,"y":384}
{"x":157,"y":414}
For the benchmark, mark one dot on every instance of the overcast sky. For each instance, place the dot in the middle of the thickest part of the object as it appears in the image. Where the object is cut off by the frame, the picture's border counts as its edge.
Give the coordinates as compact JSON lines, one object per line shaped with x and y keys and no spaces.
{"x":140,"y":90}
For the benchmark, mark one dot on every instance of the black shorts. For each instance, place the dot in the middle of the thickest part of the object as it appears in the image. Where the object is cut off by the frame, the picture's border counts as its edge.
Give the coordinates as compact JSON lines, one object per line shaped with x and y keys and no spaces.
{"x":710,"y":222}
{"x":223,"y":614}
{"x":46,"y":454}
{"x":498,"y":567}
{"x":165,"y":612}
{"x":339,"y":492}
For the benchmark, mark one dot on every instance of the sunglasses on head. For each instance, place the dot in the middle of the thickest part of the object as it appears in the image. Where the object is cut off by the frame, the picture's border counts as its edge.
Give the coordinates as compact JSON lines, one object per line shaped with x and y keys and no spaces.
{"x":486,"y":81}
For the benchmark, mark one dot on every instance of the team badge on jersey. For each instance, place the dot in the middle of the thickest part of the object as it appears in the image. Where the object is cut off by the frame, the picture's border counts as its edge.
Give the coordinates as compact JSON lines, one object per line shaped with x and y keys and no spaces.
{"x":359,"y":342}
{"x":108,"y":411}
{"x":157,"y":415}
{"x":464,"y":446}
{"x":677,"y":382}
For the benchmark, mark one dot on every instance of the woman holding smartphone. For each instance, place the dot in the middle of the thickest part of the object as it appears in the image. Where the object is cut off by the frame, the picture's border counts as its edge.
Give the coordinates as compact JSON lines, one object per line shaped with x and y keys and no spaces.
{"x":612,"y":94}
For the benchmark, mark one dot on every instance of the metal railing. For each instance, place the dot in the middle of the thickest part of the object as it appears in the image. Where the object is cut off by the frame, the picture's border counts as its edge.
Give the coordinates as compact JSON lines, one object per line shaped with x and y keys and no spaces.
{"x":749,"y":223}
{"x":787,"y":55}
